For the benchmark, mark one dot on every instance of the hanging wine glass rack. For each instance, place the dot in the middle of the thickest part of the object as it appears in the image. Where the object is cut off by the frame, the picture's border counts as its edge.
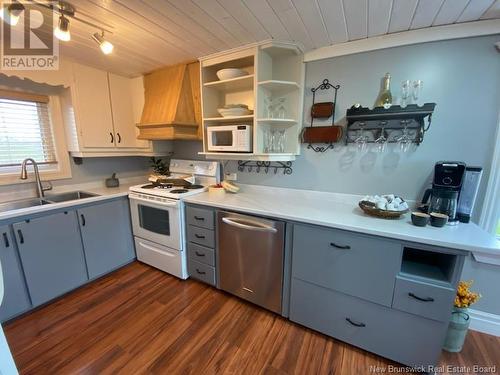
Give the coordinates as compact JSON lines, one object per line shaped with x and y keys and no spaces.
{"x":392,"y":123}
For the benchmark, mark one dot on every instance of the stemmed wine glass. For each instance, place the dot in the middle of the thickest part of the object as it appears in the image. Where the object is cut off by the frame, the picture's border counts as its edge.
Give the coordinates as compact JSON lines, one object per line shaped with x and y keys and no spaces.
{"x":405,"y":92}
{"x":404,"y":140}
{"x":417,"y":88}
{"x":268,"y":105}
{"x":281,"y":108}
{"x":381,"y":141}
{"x":362,"y":139}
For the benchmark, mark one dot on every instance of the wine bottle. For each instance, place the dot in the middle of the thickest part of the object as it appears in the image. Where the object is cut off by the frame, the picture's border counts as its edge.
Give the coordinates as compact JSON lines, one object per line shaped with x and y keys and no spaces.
{"x":385,"y":97}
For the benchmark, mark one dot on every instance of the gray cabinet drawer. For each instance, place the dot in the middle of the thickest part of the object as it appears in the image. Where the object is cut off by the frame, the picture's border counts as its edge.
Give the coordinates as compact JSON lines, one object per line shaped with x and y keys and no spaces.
{"x":402,"y":337}
{"x":201,"y":271}
{"x":201,"y":236}
{"x":361,"y":266}
{"x":201,"y":254}
{"x":430,"y":301}
{"x":200,"y":217}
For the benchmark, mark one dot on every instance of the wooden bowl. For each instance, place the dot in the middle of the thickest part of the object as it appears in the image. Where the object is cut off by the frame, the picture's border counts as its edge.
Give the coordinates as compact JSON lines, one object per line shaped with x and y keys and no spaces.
{"x":370,"y":209}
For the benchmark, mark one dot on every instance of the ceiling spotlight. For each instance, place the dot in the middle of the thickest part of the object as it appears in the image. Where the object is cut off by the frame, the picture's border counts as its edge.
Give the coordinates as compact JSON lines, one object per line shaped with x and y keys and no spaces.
{"x":12,"y":13}
{"x":106,"y":47}
{"x":62,"y":30}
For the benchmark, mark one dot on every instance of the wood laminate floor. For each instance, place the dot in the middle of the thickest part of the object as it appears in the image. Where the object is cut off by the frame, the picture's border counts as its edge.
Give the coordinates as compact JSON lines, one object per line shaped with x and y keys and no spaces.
{"x":139,"y":320}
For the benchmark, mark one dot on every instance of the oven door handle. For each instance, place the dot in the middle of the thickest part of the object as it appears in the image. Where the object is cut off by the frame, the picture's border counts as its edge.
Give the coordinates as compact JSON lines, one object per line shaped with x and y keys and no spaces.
{"x":154,"y":202}
{"x":142,"y":244}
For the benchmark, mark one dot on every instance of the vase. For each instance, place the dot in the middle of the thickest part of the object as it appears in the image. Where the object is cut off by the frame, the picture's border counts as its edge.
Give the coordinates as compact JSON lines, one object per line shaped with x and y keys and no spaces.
{"x":457,"y":330}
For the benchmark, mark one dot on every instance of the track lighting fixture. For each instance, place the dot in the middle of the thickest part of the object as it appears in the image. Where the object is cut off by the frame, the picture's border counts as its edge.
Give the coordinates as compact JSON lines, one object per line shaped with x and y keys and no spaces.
{"x":62,"y":30}
{"x":106,"y":47}
{"x":12,"y":13}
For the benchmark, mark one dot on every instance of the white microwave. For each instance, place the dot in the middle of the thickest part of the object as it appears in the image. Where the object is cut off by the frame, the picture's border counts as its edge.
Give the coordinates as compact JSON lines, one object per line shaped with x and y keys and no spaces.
{"x":230,"y":138}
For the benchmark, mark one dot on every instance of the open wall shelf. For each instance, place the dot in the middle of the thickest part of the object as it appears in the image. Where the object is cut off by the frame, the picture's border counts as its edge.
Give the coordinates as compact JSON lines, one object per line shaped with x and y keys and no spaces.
{"x":275,"y":70}
{"x":244,"y":83}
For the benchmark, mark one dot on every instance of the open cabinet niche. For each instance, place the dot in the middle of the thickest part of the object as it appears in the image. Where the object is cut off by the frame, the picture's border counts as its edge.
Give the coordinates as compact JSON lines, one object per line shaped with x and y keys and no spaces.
{"x":275,"y":70}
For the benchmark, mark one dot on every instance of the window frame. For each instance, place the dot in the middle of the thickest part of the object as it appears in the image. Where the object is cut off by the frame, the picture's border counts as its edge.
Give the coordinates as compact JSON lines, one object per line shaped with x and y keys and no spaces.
{"x":48,"y":172}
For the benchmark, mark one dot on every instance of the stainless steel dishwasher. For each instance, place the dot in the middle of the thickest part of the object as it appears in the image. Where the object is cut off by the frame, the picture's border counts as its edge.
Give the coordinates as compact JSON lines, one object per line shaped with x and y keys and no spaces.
{"x":251,"y":258}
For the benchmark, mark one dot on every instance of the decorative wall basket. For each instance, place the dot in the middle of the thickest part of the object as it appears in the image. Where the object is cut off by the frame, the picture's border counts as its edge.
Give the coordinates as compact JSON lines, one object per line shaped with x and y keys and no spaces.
{"x":326,"y":135}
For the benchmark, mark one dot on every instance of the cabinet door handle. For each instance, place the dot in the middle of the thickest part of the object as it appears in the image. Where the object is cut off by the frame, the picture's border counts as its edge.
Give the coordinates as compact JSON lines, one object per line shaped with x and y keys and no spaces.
{"x":119,"y":137}
{"x":112,"y":137}
{"x":199,"y":254}
{"x":200,"y":272}
{"x":6,"y":240}
{"x":355,"y":324}
{"x":343,"y":247}
{"x":199,"y":218}
{"x":427,"y":299}
{"x":199,"y":236}
{"x":83,"y":220}
{"x":20,"y":234}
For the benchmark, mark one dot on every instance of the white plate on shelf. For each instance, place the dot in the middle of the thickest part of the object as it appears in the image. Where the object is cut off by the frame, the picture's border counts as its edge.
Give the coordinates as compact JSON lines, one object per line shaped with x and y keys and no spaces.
{"x":230,"y":73}
{"x":232,"y":112}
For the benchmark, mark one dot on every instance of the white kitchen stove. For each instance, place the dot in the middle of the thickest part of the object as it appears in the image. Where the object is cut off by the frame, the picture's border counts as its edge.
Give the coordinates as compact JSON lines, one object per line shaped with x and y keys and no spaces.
{"x":157,"y":212}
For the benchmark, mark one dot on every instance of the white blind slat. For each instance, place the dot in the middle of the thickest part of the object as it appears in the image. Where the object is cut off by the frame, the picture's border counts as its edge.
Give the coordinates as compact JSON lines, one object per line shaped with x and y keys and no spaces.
{"x":25,"y":131}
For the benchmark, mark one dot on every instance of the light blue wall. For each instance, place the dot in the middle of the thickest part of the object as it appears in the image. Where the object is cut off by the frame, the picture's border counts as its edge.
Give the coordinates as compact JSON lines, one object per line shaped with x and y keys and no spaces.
{"x":461,"y":76}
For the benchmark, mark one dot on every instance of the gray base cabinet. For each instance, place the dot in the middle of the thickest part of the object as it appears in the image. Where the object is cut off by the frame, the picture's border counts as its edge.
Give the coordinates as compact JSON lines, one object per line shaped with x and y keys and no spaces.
{"x":16,"y":299}
{"x":107,"y":236}
{"x":52,"y":255}
{"x":201,"y":244}
{"x":387,"y":297}
{"x":402,"y":337}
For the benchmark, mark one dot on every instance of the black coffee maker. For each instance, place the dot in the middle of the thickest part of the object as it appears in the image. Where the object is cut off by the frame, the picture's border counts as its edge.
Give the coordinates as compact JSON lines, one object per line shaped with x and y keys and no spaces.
{"x":446,"y":186}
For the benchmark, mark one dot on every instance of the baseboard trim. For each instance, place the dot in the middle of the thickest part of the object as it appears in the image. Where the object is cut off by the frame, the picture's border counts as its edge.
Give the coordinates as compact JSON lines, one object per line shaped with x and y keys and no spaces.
{"x":484,"y":322}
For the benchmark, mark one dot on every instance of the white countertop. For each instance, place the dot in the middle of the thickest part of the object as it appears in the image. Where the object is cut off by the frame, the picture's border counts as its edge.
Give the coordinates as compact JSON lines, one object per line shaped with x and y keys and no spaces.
{"x":341,"y":211}
{"x":99,"y":188}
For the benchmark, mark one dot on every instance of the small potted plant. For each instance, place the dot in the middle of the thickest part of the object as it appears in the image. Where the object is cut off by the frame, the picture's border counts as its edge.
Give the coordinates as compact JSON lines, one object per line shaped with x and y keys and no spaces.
{"x":160,"y":170}
{"x":460,"y":319}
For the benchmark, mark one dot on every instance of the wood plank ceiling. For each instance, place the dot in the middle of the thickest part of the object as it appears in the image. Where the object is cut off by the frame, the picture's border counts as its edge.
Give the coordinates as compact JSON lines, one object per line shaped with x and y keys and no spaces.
{"x":149,"y":34}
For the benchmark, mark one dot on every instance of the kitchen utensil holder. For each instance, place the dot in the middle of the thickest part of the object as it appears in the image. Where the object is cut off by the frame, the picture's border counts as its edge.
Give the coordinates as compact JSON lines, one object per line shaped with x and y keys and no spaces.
{"x":265,"y":166}
{"x":322,"y":134}
{"x":396,"y":118}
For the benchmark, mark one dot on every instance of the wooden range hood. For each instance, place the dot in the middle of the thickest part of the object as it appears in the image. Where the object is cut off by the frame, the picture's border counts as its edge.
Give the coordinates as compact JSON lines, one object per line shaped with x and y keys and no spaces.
{"x":172,"y":106}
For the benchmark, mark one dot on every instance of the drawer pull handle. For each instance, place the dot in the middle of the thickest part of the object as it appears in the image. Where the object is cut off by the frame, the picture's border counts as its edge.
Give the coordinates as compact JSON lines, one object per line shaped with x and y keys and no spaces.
{"x":199,"y":218}
{"x":21,"y":237}
{"x":355,"y":324}
{"x":345,"y":247}
{"x":200,"y":272}
{"x":199,"y":254}
{"x":199,"y":236}
{"x":6,"y":240}
{"x":428,"y":299}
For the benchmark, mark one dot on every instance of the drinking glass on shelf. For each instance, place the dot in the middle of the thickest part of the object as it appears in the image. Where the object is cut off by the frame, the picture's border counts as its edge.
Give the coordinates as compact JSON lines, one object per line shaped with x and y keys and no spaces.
{"x":268,"y":141}
{"x":381,"y":141}
{"x":404,"y":140}
{"x":362,"y":139}
{"x":281,"y":111}
{"x":405,"y":92}
{"x":268,"y":107}
{"x":417,"y":90}
{"x":279,"y":138}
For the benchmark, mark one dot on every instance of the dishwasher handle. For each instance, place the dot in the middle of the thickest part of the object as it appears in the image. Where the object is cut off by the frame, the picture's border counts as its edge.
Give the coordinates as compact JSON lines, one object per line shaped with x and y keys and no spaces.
{"x":249,"y":225}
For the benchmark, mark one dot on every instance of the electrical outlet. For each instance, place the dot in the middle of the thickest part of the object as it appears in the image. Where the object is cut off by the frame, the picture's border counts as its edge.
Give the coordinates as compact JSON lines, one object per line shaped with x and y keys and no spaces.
{"x":231,"y":176}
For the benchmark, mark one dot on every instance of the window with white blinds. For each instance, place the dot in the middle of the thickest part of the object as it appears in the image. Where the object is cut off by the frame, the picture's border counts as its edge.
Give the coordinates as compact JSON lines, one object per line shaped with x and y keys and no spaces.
{"x":25,"y":129}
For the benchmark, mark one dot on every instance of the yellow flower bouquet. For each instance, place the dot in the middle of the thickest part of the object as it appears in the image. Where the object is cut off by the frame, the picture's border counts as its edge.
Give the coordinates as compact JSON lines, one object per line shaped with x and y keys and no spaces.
{"x":465,"y":297}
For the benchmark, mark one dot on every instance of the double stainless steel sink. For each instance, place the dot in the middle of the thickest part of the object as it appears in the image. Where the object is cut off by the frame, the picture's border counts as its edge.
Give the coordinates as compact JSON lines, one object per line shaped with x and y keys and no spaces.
{"x":49,"y":199}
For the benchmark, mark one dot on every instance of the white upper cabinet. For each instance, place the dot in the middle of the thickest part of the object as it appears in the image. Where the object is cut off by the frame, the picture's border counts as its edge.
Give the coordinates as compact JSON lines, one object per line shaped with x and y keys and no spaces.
{"x":93,"y":107}
{"x":122,"y":108}
{"x":101,"y":111}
